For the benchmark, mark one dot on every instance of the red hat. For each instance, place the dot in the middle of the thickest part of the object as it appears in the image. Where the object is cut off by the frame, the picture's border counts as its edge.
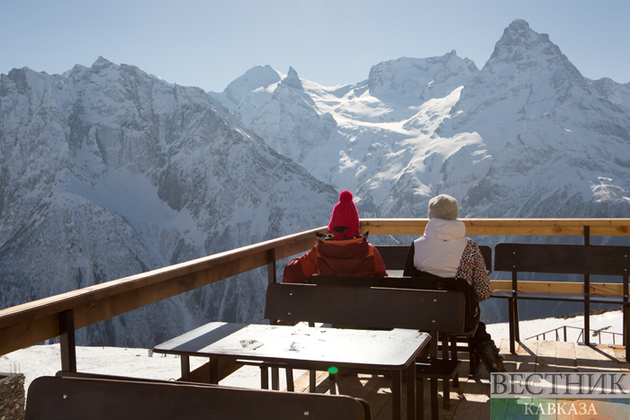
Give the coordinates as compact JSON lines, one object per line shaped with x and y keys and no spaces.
{"x":345,"y":214}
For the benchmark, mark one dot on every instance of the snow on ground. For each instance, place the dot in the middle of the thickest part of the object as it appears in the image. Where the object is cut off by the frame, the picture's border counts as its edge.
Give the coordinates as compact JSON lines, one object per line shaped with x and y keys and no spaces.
{"x":607,"y":322}
{"x":45,"y":360}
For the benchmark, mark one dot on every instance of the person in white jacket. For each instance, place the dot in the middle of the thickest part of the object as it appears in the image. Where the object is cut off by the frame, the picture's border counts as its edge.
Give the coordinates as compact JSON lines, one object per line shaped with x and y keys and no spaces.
{"x":445,"y":251}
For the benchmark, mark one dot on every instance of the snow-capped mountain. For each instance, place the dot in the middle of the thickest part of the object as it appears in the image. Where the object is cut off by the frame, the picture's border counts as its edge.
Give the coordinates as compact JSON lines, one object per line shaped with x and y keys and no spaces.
{"x":108,"y":171}
{"x":525,"y":136}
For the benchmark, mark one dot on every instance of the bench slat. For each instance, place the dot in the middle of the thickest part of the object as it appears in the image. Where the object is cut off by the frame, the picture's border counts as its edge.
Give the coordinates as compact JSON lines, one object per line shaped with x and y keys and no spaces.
{"x":568,"y":297}
{"x":419,"y":283}
{"x":89,"y":398}
{"x":395,"y":256}
{"x":367,"y":307}
{"x":569,"y":259}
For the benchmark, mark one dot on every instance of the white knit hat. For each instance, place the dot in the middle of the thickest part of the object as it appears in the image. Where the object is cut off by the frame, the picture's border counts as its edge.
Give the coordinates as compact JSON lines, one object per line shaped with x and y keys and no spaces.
{"x":443,"y":207}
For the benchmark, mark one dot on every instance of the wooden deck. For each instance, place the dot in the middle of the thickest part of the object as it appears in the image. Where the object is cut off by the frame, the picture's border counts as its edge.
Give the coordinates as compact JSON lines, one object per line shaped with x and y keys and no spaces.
{"x":471,"y":399}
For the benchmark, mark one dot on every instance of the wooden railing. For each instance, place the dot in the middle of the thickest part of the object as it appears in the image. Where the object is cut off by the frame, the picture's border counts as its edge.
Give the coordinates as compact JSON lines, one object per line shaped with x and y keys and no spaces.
{"x":33,"y":322}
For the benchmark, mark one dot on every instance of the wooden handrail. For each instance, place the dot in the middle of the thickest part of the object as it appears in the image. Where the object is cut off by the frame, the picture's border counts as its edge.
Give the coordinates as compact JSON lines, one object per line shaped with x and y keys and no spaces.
{"x":33,"y":322}
{"x":507,"y":227}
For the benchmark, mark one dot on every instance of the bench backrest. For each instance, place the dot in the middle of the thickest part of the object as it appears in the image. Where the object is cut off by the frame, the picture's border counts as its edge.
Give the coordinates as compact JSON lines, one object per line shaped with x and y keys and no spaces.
{"x":569,"y":259}
{"x":367,"y":307}
{"x":471,"y":309}
{"x":395,"y":256}
{"x":88,"y":398}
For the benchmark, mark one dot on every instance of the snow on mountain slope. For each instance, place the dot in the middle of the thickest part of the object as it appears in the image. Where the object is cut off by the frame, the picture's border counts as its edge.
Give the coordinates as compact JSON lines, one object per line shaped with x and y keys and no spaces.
{"x":557,"y":144}
{"x":416,"y":80}
{"x":385,"y":132}
{"x":108,"y":172}
{"x":276,"y":107}
{"x":380,"y":124}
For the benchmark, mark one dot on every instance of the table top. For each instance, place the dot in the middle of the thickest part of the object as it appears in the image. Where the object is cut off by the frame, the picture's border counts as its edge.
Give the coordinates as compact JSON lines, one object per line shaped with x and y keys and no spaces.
{"x":310,"y":346}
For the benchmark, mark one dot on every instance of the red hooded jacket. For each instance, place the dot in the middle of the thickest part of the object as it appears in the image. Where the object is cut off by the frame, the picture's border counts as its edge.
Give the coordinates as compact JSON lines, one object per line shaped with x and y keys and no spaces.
{"x":347,"y":258}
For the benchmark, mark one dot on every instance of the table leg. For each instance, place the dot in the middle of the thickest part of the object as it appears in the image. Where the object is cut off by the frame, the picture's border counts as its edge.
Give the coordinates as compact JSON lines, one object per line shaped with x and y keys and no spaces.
{"x":275,"y":378}
{"x":214,"y":371}
{"x":264,"y":378}
{"x":511,"y":325}
{"x":185,"y":361}
{"x":435,"y":415}
{"x":411,"y":391}
{"x":420,"y":399}
{"x":396,"y":395}
{"x":289,"y":375}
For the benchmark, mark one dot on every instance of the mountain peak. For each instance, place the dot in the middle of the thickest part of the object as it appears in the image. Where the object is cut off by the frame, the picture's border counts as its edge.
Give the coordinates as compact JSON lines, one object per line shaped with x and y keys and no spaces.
{"x":519,"y":42}
{"x":292,"y":79}
{"x":419,"y":79}
{"x":518,"y":26}
{"x":102,"y":62}
{"x":255,"y":78}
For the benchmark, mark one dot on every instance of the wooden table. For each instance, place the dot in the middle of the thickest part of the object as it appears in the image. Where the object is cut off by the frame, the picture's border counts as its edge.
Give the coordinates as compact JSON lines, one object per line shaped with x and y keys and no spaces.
{"x":303,"y":347}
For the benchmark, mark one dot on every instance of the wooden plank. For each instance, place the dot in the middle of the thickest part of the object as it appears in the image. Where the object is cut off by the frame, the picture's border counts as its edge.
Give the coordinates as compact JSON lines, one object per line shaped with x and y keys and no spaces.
{"x":526,"y":357}
{"x":567,"y":259}
{"x":63,"y":398}
{"x":379,"y":398}
{"x":591,"y":358}
{"x":598,"y":288}
{"x":505,"y":227}
{"x":26,"y":334}
{"x":620,"y":355}
{"x":565,"y":356}
{"x":474,"y":395}
{"x":363,"y":307}
{"x":546,"y":356}
{"x":302,"y":383}
{"x":375,"y":389}
{"x":416,"y":283}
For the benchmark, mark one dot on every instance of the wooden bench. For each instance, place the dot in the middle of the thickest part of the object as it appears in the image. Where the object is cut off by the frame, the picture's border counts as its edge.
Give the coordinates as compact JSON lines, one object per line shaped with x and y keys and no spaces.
{"x":52,"y":398}
{"x":584,"y":260}
{"x":376,"y":308}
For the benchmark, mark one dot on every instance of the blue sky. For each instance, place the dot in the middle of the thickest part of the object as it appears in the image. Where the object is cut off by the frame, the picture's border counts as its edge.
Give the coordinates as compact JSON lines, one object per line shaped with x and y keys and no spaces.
{"x":210,"y":43}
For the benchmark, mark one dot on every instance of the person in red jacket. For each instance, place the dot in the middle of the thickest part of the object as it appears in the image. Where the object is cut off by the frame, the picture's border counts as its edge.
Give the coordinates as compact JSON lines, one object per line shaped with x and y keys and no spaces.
{"x":343,"y":252}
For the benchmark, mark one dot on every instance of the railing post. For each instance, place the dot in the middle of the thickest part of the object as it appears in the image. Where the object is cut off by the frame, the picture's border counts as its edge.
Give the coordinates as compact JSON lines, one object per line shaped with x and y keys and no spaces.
{"x":564,"y":327}
{"x":271,"y":265}
{"x":271,"y":278}
{"x":625,"y":338}
{"x":67,"y":342}
{"x":587,"y":291}
{"x":514,"y":309}
{"x":587,"y":235}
